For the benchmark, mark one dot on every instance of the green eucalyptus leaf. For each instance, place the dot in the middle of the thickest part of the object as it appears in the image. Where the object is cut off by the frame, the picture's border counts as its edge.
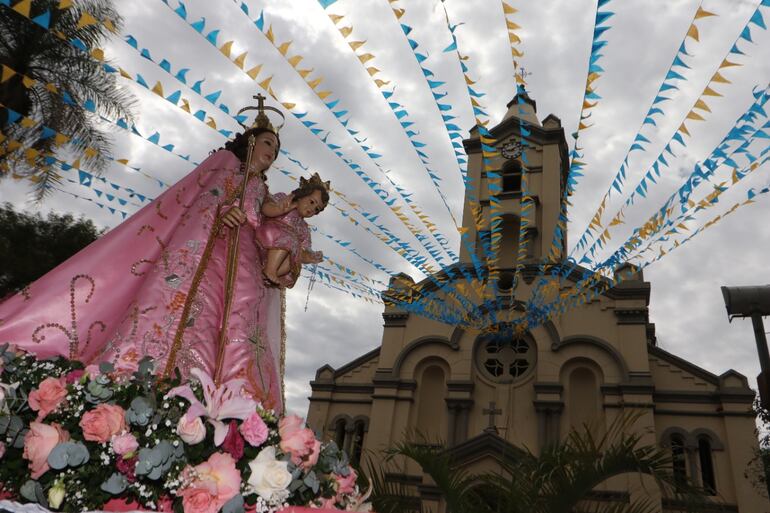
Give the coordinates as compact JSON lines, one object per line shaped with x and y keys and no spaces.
{"x":116,"y":484}
{"x":106,"y":367}
{"x":234,"y":505}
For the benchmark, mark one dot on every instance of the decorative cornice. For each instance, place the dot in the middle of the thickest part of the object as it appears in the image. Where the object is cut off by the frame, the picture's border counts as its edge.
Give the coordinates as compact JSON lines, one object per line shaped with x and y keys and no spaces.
{"x":683,"y":364}
{"x":395,"y":320}
{"x":374,"y":353}
{"x":548,"y":406}
{"x":632,"y":315}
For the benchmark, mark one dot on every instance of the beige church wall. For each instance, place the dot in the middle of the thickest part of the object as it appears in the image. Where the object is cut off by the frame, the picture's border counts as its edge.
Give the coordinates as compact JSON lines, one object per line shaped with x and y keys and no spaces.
{"x":668,"y":376}
{"x":428,"y":418}
{"x":582,"y":378}
{"x":552,"y":365}
{"x":740,"y":454}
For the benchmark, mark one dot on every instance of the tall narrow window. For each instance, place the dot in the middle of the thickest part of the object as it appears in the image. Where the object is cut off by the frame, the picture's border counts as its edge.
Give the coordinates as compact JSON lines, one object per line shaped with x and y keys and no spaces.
{"x":339,"y":433}
{"x":358,"y":442}
{"x":511,"y":172}
{"x":679,"y":459}
{"x":706,"y":466}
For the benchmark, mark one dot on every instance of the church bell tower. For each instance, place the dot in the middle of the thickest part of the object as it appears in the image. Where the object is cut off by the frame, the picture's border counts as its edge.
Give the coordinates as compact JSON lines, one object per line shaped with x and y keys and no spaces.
{"x":530,"y":165}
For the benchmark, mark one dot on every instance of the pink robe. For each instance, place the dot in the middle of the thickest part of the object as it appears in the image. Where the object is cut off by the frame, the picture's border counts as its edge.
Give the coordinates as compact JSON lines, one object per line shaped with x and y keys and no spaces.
{"x":128,"y":294}
{"x":289,"y":232}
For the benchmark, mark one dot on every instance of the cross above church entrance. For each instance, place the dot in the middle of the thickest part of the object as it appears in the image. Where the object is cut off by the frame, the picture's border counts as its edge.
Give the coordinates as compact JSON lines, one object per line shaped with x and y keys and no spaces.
{"x":492,"y":411}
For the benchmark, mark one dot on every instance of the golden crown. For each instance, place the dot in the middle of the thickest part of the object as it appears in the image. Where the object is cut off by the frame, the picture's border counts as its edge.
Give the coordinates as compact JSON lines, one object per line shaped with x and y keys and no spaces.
{"x":315,"y":179}
{"x":262,"y":121}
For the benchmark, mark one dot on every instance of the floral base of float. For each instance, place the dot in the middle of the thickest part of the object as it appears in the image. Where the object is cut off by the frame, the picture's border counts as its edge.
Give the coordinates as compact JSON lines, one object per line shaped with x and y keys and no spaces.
{"x":105,"y":439}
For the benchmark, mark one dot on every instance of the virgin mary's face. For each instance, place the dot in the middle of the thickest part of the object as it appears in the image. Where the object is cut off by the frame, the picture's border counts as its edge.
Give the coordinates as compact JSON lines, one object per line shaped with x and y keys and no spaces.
{"x":265,"y":150}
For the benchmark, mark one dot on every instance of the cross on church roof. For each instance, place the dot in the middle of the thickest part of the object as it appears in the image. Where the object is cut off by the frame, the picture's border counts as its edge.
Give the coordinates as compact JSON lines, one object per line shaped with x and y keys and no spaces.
{"x":492,"y":411}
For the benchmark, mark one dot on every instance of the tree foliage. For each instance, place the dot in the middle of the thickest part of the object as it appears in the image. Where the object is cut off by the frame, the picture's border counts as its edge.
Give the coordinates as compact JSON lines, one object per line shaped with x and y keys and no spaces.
{"x":561,"y":479}
{"x":31,"y":245}
{"x":77,"y":77}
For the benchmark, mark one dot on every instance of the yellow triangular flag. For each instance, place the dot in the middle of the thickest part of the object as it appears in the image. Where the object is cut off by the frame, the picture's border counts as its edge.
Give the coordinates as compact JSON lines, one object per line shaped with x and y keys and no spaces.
{"x":335,"y":18}
{"x":315,"y":83}
{"x":86,"y":20}
{"x":226,"y":48}
{"x":513,"y":38}
{"x":253,"y":72}
{"x":710,"y":92}
{"x":27,"y":122}
{"x":683,"y":129}
{"x":511,"y":25}
{"x":694,"y":115}
{"x":507,"y":9}
{"x":324,"y":94}
{"x":23,"y":7}
{"x":355,"y":45}
{"x":372,"y":71}
{"x":727,"y":64}
{"x":693,"y":32}
{"x":110,"y":26}
{"x":98,"y":54}
{"x":700,"y":104}
{"x":27,"y":81}
{"x":294,"y":61}
{"x":65,"y":4}
{"x":7,"y":73}
{"x":185,"y":105}
{"x":381,"y":83}
{"x":52,"y":88}
{"x":365,"y":57}
{"x":270,"y":34}
{"x":284,"y":48}
{"x":158,"y":89}
{"x":212,"y":123}
{"x":289,"y":106}
{"x":125,"y":74}
{"x":399,"y":13}
{"x":345,"y":31}
{"x":90,"y":152}
{"x":720,"y":79}
{"x":60,"y":139}
{"x":266,"y":83}
{"x":702,"y":13}
{"x":241,"y":60}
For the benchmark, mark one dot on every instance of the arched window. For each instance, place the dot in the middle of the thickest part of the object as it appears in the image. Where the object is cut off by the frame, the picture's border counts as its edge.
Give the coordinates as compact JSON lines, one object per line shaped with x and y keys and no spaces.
{"x":706,"y":465}
{"x":583,"y":398}
{"x":679,"y":459}
{"x":511,"y":172}
{"x":339,"y":433}
{"x":432,"y":414}
{"x":359,"y":431}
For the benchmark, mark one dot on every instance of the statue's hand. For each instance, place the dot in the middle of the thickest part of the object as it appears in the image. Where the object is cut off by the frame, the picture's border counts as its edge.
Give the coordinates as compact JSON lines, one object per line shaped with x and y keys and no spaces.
{"x":233,"y":217}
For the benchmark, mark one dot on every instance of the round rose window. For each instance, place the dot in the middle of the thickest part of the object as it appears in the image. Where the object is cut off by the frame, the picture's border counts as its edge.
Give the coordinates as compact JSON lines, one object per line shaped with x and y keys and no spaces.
{"x":504,"y":357}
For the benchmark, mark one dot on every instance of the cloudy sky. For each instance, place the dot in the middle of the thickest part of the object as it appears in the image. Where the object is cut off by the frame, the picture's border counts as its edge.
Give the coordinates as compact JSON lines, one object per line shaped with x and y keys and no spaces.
{"x":686,"y":303}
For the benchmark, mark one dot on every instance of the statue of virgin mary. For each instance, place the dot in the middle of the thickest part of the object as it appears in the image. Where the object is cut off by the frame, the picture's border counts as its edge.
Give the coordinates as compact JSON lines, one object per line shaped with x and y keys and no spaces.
{"x":157,"y":285}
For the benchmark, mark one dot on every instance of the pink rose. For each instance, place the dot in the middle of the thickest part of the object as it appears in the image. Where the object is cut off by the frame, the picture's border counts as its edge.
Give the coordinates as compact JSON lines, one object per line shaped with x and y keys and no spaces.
{"x":38,"y":444}
{"x":93,"y":371}
{"x":254,"y":430}
{"x":217,"y":481}
{"x":233,"y":442}
{"x":73,"y":377}
{"x":191,"y":431}
{"x":47,"y":397}
{"x":124,"y":444}
{"x":201,"y":497}
{"x":346,"y":484}
{"x":103,"y":422}
{"x":299,"y":441}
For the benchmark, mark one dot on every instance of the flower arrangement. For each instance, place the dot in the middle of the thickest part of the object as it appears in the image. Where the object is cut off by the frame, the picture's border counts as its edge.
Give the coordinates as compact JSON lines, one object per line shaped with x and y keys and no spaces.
{"x":79,"y":439}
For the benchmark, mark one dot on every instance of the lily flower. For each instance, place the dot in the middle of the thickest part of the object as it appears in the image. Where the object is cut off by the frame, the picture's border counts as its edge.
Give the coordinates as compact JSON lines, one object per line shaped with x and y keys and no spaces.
{"x":221,"y":402}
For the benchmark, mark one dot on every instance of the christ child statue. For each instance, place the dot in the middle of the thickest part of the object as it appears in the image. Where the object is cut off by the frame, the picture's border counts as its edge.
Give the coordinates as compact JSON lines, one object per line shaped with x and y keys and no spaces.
{"x":284,"y":236}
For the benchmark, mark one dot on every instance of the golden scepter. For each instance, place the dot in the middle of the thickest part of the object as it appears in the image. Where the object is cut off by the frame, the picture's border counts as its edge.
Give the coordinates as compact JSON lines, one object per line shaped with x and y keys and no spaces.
{"x":261,"y":121}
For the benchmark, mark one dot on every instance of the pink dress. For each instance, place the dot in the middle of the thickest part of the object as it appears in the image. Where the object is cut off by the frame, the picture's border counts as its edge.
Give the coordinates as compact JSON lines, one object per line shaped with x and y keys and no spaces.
{"x":289,"y":232}
{"x":154,"y":285}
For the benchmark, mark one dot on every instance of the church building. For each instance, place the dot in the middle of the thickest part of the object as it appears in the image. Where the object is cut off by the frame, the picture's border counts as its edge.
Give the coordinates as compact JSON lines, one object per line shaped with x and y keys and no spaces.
{"x":486,"y":396}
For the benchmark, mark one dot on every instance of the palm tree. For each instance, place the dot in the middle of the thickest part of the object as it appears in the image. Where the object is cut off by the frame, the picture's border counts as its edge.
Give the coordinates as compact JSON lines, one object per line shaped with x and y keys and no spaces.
{"x":60,"y":56}
{"x":562,"y":479}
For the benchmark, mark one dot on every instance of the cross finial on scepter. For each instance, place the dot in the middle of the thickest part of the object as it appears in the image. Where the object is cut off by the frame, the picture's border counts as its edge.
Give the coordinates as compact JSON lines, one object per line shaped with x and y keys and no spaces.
{"x":524,"y":73}
{"x":492,"y":411}
{"x":260,"y":101}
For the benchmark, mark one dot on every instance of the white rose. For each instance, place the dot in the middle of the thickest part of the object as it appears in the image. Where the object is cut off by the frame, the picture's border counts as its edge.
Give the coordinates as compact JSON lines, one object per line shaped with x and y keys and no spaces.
{"x":56,"y":495}
{"x":191,"y":431}
{"x":269,"y":477}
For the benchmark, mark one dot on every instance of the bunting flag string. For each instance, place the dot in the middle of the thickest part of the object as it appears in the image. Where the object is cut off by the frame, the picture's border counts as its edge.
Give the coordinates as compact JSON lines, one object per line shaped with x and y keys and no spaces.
{"x":435,"y":85}
{"x":657,"y":108}
{"x":375,"y":186}
{"x":699,"y":109}
{"x":491,"y":301}
{"x":718,"y":157}
{"x":656,"y":225}
{"x":399,"y":111}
